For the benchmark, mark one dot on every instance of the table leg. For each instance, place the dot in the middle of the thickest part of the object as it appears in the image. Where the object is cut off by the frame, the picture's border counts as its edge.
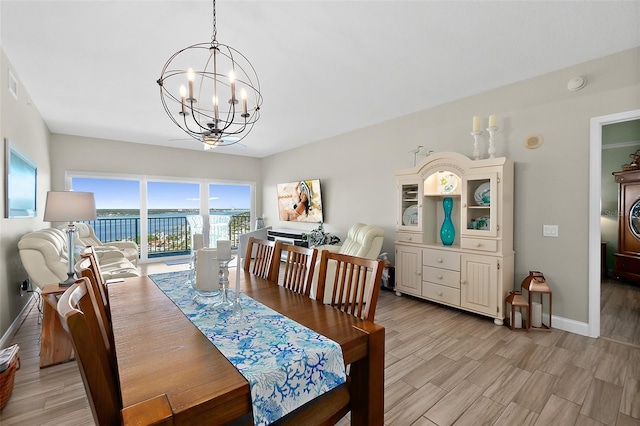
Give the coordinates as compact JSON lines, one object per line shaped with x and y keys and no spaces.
{"x":55,"y":344}
{"x":367,"y":380}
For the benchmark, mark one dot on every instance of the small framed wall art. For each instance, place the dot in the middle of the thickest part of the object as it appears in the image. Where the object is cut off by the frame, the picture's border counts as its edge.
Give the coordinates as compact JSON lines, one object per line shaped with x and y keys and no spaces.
{"x":20,"y":183}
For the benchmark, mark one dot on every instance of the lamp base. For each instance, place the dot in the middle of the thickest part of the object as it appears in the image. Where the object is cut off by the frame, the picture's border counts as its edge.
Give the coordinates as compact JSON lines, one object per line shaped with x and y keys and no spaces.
{"x":71,"y":278}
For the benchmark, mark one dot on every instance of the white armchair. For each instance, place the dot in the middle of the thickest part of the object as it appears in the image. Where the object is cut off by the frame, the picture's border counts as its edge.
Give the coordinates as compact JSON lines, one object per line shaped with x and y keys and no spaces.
{"x":86,"y":236}
{"x":44,"y":256}
{"x":362,"y":241}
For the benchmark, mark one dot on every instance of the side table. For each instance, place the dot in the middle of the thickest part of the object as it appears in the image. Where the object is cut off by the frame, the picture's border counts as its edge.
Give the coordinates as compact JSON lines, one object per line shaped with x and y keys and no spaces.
{"x":55,"y":344}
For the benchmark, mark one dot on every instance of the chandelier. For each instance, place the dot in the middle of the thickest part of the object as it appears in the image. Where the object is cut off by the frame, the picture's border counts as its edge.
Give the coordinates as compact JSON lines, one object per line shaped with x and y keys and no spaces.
{"x":216,"y":104}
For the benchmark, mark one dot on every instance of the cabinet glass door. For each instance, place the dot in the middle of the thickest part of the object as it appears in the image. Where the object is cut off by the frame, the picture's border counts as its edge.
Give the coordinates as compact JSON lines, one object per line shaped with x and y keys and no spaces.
{"x":410,"y":214}
{"x":479,"y":201}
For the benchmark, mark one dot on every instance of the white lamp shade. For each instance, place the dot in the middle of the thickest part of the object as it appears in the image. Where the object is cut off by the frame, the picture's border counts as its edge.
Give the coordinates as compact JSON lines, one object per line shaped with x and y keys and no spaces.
{"x":69,"y":206}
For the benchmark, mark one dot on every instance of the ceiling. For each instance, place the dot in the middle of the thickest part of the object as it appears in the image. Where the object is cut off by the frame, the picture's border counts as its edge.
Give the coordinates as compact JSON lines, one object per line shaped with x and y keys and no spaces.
{"x":325,"y":67}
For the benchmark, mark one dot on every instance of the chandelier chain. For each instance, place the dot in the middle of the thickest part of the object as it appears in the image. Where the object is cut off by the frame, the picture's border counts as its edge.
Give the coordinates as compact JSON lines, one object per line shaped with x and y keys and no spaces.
{"x":215,"y":30}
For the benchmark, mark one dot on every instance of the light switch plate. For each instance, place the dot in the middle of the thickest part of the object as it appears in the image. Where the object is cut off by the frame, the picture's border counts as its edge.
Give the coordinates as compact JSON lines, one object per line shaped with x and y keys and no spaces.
{"x":549,"y":230}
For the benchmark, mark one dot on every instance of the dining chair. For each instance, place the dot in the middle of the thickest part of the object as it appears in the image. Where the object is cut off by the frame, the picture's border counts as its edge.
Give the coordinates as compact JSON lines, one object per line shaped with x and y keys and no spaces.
{"x":89,"y":262}
{"x":94,"y":289}
{"x":356,"y":284}
{"x":298,"y":267}
{"x":80,"y":319}
{"x":263,"y":262}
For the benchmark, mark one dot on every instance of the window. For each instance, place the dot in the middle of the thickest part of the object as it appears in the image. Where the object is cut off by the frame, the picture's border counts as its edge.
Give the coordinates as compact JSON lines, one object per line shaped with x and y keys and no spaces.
{"x":229,"y":212}
{"x":161,"y":215}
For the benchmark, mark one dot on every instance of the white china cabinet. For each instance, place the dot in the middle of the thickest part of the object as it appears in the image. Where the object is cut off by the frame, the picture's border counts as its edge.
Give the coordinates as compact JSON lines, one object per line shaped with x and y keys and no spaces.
{"x":475,"y":271}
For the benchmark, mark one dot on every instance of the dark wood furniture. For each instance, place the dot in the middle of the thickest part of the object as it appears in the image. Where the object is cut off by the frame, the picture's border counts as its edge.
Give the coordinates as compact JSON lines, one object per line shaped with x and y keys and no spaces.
{"x":627,"y":259}
{"x":160,"y":352}
{"x":55,"y":344}
{"x":353,"y":290}
{"x":299,"y":264}
{"x":259,"y":258}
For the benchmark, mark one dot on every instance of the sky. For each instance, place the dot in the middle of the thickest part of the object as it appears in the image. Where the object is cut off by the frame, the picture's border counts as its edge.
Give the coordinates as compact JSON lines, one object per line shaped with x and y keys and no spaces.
{"x":125,"y":194}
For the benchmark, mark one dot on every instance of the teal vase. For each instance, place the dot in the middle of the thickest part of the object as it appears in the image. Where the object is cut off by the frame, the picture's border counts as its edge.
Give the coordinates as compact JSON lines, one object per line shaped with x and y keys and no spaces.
{"x":447,"y":231}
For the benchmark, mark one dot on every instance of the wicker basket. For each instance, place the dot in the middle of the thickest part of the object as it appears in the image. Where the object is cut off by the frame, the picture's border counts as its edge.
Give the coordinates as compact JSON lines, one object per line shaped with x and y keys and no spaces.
{"x":7,"y":378}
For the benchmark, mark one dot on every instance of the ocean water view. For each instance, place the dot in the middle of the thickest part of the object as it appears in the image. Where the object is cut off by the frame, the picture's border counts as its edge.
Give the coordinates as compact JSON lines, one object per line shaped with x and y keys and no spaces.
{"x":169,"y":232}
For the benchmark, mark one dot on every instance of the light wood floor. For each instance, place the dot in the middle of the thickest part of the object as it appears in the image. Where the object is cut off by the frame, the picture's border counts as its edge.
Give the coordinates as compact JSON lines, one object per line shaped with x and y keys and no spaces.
{"x":443,"y":367}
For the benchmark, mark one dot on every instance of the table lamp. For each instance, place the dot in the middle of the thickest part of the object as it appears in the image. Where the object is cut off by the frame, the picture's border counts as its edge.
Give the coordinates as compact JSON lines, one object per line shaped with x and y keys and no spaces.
{"x":70,"y":207}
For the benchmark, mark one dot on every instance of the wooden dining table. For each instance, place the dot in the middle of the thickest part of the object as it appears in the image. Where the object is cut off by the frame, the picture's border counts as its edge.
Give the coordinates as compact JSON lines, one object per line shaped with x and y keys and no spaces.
{"x":162,"y":356}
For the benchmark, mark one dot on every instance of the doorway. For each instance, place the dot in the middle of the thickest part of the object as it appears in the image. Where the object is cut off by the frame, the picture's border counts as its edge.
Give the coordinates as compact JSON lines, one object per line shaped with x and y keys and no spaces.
{"x":595,"y":191}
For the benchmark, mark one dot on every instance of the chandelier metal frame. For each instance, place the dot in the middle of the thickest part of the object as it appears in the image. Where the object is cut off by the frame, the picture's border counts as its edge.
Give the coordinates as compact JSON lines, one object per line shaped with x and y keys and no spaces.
{"x":192,"y":97}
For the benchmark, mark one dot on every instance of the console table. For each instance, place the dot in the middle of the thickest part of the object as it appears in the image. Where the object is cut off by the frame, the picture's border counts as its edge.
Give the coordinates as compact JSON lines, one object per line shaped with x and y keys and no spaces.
{"x":288,"y":236}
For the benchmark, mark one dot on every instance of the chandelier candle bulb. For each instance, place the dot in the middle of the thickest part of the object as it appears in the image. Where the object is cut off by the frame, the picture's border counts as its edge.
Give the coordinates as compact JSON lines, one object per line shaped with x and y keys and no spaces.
{"x":183,"y":94}
{"x":493,"y":121}
{"x":476,"y":123}
{"x":243,"y":96}
{"x":232,"y":79}
{"x":191,"y":76}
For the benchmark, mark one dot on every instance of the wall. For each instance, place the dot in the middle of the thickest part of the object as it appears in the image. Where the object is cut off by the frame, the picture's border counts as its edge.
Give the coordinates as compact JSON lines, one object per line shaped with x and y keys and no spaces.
{"x":108,"y":156}
{"x":20,"y":122}
{"x":551,"y":182}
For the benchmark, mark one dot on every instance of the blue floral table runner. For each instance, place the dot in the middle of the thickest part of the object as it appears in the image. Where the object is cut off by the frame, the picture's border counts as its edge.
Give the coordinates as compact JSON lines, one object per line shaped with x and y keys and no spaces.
{"x":285,"y":363}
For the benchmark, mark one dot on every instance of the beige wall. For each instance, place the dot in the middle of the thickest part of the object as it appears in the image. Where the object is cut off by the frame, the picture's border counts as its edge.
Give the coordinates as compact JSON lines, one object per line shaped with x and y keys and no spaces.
{"x":73,"y":153}
{"x":551,"y":183}
{"x":21,"y":123}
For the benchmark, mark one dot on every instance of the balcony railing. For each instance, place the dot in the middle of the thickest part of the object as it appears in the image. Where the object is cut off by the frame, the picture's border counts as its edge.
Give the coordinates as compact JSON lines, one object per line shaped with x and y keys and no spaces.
{"x":167,"y":235}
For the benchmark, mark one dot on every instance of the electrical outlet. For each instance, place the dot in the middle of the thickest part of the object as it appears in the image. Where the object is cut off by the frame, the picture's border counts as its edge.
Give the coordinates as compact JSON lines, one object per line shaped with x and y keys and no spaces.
{"x":25,"y":287}
{"x":549,"y":230}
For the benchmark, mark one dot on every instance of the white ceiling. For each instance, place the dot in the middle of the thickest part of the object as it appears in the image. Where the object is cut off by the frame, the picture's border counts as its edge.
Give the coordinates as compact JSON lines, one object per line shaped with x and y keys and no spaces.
{"x":325,"y":67}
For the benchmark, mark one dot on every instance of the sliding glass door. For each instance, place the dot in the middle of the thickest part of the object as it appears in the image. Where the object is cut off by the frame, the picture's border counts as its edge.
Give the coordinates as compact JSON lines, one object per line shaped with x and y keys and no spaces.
{"x":229,"y":212}
{"x":169,"y":205}
{"x":162,"y":214}
{"x":117,"y":207}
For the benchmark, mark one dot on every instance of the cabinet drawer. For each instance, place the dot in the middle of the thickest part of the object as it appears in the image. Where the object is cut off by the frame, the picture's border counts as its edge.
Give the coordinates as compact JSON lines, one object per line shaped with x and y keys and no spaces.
{"x":441,"y":259}
{"x":479,"y":244}
{"x":409,"y":237}
{"x":441,"y":293}
{"x":441,"y":276}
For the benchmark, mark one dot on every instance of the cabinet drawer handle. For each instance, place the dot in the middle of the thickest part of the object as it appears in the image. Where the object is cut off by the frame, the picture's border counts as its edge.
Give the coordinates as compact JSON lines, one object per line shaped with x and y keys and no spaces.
{"x":440,"y":293}
{"x":439,"y":260}
{"x":418,"y":273}
{"x":463,"y":282}
{"x":477,"y":245}
{"x":439,"y":277}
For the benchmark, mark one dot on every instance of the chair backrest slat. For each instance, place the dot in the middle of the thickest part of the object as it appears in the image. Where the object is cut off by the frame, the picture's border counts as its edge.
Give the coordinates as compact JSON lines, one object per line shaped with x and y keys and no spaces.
{"x":79,"y":317}
{"x":298,"y":268}
{"x":263,"y":263}
{"x":355,"y":285}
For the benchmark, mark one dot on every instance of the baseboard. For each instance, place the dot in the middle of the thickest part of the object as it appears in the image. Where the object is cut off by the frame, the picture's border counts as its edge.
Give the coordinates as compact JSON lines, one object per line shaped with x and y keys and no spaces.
{"x":15,"y":325}
{"x":570,"y":325}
